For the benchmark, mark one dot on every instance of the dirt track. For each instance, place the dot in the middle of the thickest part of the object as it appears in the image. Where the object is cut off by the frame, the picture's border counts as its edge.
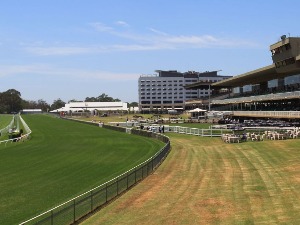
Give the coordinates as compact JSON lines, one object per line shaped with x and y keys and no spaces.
{"x":209,"y":182}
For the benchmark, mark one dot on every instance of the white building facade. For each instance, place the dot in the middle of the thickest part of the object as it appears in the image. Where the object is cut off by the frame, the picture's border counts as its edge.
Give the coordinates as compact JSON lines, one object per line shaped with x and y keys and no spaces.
{"x":165,"y":91}
{"x":93,"y":106}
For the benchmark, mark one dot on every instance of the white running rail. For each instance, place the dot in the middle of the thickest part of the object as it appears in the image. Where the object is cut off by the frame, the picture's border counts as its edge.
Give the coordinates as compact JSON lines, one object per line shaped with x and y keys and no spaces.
{"x":23,"y":136}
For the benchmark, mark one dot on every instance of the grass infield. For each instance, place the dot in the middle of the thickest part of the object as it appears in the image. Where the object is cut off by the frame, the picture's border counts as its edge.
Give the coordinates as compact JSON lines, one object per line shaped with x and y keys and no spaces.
{"x":4,"y":122}
{"x":62,"y":160}
{"x":206,"y":181}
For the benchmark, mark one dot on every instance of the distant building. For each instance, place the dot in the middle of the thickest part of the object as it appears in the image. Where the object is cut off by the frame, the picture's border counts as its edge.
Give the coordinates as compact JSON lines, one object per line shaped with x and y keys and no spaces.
{"x":93,"y":106}
{"x":165,"y":91}
{"x":31,"y":111}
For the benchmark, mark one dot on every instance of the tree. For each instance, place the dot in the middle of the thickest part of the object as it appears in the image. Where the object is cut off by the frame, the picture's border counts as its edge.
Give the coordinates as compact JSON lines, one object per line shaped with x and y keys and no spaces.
{"x":57,"y":104}
{"x":133,"y":104}
{"x":29,"y":104}
{"x":90,"y":99}
{"x":10,"y":101}
{"x":73,"y":100}
{"x":43,"y":105}
{"x":102,"y":98}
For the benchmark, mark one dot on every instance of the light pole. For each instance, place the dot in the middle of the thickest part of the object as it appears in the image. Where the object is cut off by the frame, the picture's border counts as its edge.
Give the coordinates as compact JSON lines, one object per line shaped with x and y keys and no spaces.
{"x":209,"y":97}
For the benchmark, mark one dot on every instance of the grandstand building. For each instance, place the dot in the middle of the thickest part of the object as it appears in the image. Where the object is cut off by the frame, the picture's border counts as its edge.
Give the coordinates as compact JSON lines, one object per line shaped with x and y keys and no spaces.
{"x":274,"y":89}
{"x":165,"y":90}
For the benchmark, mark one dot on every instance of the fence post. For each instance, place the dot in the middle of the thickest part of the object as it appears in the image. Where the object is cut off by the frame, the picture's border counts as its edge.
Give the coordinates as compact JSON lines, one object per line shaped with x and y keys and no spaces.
{"x":92,"y":201}
{"x":152,"y":164}
{"x":106,"y":193}
{"x":74,"y":210}
{"x":118,"y":186}
{"x":51,"y":217}
{"x":127,"y":180}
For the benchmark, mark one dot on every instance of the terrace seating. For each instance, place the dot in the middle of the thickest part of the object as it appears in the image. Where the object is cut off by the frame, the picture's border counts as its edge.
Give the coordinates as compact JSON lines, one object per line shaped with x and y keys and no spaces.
{"x":230,"y":138}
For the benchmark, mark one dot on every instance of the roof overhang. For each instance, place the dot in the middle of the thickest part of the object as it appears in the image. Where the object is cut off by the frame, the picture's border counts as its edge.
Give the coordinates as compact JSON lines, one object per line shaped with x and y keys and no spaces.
{"x":257,"y":76}
{"x":198,"y":85}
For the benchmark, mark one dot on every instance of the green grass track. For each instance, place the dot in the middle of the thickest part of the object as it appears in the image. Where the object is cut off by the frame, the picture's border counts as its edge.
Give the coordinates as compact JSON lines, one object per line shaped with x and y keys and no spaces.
{"x":62,"y":160}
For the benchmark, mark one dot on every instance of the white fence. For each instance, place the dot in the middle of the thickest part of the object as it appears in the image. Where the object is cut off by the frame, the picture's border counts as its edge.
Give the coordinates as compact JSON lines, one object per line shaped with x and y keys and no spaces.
{"x":175,"y":129}
{"x":199,"y":132}
{"x":5,"y":130}
{"x":23,"y":136}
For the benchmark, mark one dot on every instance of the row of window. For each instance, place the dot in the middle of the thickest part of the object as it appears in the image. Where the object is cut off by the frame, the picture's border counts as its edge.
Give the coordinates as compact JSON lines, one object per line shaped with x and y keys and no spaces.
{"x":188,"y":97}
{"x":161,"y":102}
{"x":281,"y":49}
{"x":285,"y":62}
{"x":159,"y":81}
{"x":175,"y":81}
{"x":159,"y":89}
{"x":159,"y":85}
{"x":162,"y":97}
{"x":172,"y":93}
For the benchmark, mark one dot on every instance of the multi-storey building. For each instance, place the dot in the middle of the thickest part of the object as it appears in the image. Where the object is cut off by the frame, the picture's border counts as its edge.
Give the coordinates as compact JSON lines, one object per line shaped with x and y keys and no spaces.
{"x":275,"y":87}
{"x":165,"y":90}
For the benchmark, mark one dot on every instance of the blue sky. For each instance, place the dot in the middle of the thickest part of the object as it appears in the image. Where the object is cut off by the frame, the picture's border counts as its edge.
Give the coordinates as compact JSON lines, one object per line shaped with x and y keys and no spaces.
{"x":72,"y":49}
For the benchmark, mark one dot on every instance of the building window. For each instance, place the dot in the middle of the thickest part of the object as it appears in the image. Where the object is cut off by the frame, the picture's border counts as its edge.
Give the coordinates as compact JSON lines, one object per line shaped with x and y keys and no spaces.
{"x":156,"y":102}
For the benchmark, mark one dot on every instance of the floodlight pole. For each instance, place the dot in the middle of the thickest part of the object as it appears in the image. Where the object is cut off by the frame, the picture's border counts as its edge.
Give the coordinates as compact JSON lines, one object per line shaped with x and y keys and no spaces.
{"x":209,"y":97}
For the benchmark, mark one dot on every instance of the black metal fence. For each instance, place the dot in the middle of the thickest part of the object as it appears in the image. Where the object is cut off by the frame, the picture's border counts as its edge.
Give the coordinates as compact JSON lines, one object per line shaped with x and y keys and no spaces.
{"x":75,"y":210}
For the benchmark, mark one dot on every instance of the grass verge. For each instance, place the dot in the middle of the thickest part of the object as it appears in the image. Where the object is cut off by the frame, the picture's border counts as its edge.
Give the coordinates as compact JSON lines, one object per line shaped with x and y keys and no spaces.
{"x":62,"y":159}
{"x":206,"y":181}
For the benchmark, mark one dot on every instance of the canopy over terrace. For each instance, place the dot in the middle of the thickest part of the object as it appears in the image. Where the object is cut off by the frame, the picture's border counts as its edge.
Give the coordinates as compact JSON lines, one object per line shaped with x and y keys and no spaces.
{"x":257,"y":76}
{"x":197,"y":113}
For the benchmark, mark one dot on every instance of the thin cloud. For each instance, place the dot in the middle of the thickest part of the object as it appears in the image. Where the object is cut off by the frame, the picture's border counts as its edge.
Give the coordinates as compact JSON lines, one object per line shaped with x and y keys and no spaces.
{"x":156,"y":40}
{"x":48,"y":70}
{"x":101,"y":27}
{"x":158,"y":32}
{"x":122,"y":23}
{"x":168,"y":41}
{"x":47,"y":51}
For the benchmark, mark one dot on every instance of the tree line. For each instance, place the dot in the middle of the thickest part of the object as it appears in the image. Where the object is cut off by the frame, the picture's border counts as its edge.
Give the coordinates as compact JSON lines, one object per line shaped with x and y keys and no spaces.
{"x":12,"y":102}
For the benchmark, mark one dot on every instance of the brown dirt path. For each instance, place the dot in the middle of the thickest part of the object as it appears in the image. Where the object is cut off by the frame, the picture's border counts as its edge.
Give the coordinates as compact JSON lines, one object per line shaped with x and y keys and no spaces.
{"x":204,"y":181}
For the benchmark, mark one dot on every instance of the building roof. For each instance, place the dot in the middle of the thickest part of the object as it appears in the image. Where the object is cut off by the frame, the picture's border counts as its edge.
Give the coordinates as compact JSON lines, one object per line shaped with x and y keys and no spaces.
{"x":257,"y":76}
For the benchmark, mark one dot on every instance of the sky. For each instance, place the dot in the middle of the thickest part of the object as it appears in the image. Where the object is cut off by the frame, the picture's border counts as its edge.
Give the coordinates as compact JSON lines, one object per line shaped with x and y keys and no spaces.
{"x":73,"y":49}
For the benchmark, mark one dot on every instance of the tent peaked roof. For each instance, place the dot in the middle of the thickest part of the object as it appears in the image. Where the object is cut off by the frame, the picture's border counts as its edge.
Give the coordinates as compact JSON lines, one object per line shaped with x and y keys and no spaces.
{"x":197,"y":110}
